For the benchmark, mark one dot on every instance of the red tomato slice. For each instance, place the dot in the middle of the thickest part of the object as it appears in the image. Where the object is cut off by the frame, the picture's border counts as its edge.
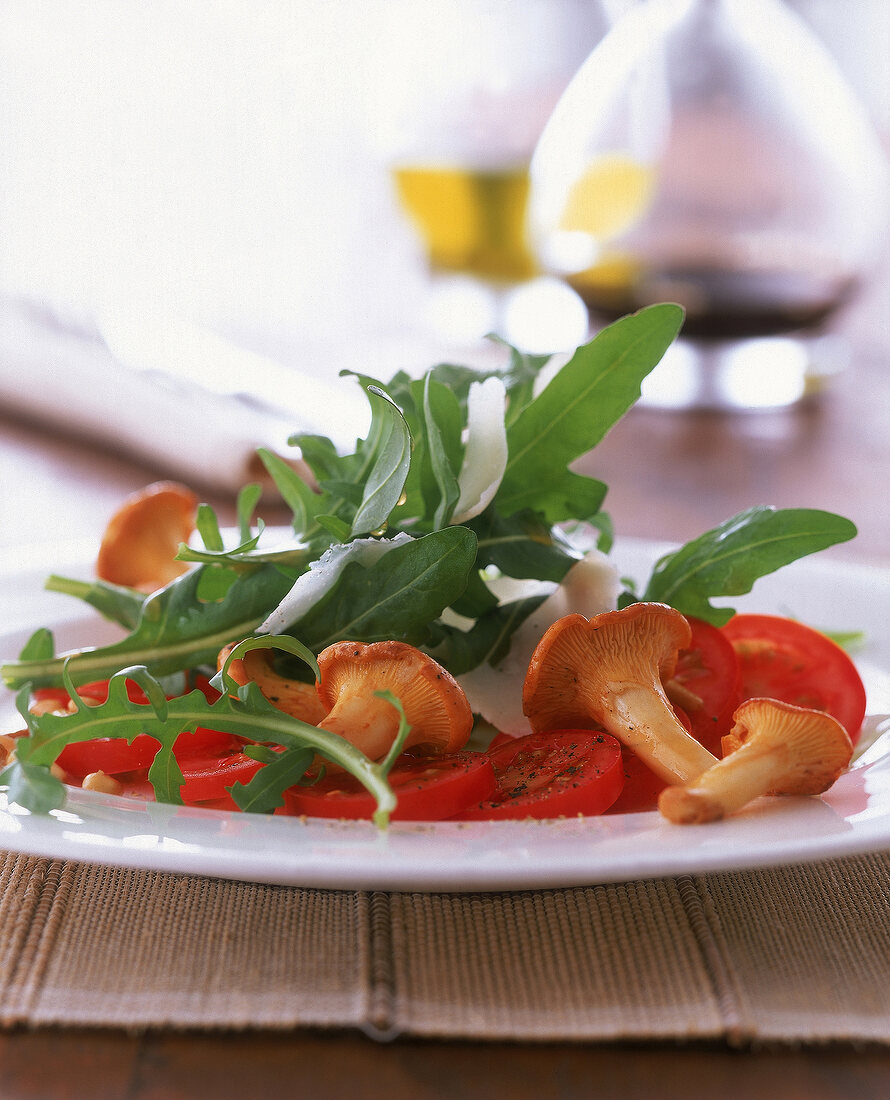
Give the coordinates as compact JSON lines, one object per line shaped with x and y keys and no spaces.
{"x":783,"y":659}
{"x":709,"y":669}
{"x":641,"y":786}
{"x":502,"y":739}
{"x":427,"y":789}
{"x":206,"y":777}
{"x":58,"y":696}
{"x":202,"y":683}
{"x":114,"y":756}
{"x":561,"y":773}
{"x":98,"y":690}
{"x":205,"y":742}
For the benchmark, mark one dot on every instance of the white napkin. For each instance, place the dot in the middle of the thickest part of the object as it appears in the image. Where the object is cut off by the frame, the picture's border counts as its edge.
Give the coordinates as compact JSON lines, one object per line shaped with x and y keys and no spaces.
{"x":63,"y":373}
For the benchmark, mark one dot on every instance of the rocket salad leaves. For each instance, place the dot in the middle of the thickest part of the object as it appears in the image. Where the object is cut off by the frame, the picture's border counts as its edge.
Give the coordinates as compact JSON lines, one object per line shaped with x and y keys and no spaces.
{"x":727,"y":560}
{"x":375,"y":553}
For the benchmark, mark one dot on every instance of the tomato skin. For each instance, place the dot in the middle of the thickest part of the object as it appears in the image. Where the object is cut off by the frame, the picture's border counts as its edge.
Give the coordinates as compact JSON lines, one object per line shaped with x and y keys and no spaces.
{"x":114,"y":756}
{"x":783,"y":659}
{"x":560,"y":773}
{"x":502,"y":739}
{"x":207,"y":777}
{"x":117,"y":756}
{"x":641,"y":786}
{"x":709,"y":668}
{"x":427,"y":789}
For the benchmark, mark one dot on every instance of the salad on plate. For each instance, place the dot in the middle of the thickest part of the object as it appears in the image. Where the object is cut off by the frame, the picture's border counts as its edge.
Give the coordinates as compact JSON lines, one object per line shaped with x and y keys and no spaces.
{"x":442,"y":633}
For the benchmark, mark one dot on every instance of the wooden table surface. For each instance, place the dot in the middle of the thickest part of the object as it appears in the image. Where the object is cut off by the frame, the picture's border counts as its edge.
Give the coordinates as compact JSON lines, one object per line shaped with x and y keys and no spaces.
{"x":672,"y":475}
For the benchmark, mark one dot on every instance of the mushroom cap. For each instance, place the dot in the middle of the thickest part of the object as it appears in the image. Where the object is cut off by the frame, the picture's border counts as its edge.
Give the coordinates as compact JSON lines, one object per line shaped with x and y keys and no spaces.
{"x":774,"y":748}
{"x":294,"y":697}
{"x":434,"y":703}
{"x":579,"y":660}
{"x":139,"y":545}
{"x":817,"y":747}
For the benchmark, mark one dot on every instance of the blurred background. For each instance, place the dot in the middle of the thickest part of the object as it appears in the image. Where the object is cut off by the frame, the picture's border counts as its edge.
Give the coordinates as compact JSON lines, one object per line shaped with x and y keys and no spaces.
{"x":345,"y":183}
{"x":238,"y":163}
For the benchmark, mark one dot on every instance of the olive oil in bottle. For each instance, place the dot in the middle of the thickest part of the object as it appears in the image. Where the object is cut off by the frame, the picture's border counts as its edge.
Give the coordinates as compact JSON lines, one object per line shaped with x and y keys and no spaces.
{"x":471,"y":220}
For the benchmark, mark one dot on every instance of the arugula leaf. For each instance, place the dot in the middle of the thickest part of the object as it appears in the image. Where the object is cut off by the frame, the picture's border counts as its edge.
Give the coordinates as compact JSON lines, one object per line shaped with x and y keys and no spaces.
{"x":113,"y":601}
{"x":208,"y":528}
{"x":487,"y":641}
{"x":727,"y":560}
{"x":851,"y":640}
{"x":443,"y":451}
{"x":248,"y":498}
{"x":302,"y":500}
{"x":176,"y":630}
{"x":265,"y":791}
{"x":240,"y":710}
{"x":319,"y":454}
{"x":386,"y":478}
{"x":39,"y":647}
{"x":33,"y":787}
{"x":398,"y":596}
{"x":575,"y":410}
{"x":398,"y":742}
{"x":338,"y":529}
{"x":522,"y":546}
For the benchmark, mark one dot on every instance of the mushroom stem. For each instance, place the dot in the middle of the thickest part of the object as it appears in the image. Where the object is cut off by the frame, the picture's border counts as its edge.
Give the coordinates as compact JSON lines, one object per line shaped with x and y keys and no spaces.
{"x":610,"y":671}
{"x":370,"y":723}
{"x":729,"y":785}
{"x":434,"y":706}
{"x":642,"y":718}
{"x":772,"y":748}
{"x":294,"y":697}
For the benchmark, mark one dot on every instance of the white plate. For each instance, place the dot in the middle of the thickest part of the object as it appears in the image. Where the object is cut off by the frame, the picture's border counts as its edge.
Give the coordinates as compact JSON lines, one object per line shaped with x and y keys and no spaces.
{"x":853,"y":817}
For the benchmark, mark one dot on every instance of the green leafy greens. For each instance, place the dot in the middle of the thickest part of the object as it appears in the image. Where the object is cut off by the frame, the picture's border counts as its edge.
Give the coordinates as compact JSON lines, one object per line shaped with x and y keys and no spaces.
{"x":375,"y":553}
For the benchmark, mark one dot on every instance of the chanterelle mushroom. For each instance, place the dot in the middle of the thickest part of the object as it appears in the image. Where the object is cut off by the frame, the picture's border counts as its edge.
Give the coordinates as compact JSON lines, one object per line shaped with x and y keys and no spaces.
{"x":610,"y":670}
{"x":773,"y":748}
{"x":435,"y":706}
{"x":140,"y":542}
{"x":294,"y":697}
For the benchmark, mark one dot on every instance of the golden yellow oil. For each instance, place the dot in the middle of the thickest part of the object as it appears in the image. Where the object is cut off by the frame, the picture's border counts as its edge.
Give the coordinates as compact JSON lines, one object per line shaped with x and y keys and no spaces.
{"x":471,"y":220}
{"x":610,"y":196}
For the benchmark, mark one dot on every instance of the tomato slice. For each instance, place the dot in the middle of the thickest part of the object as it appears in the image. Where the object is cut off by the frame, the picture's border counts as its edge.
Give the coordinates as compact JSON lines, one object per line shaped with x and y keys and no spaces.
{"x":561,"y":773}
{"x":114,"y":755}
{"x":709,"y":668}
{"x":205,"y":742}
{"x":641,"y":786}
{"x":427,"y":789}
{"x":783,"y":659}
{"x":207,"y":776}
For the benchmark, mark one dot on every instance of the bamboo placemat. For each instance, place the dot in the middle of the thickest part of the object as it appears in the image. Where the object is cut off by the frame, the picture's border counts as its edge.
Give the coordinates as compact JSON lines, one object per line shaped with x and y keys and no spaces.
{"x":794,"y":954}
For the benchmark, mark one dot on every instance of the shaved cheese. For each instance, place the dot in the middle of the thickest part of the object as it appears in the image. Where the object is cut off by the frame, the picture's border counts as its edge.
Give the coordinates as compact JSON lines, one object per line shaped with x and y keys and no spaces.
{"x":591,"y":586}
{"x":485,"y":457}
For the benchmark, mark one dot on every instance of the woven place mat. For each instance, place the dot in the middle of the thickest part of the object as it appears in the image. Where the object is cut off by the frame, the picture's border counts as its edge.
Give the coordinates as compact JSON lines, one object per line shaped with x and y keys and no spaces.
{"x":795,"y":954}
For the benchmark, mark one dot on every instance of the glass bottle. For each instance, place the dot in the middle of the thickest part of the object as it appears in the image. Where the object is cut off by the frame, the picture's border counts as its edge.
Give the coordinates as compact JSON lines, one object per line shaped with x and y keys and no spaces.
{"x":458,"y":110}
{"x":709,"y":152}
